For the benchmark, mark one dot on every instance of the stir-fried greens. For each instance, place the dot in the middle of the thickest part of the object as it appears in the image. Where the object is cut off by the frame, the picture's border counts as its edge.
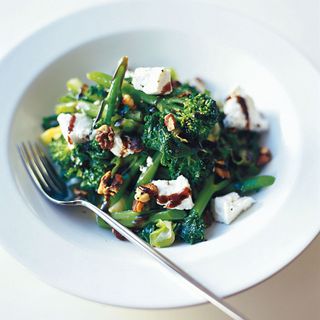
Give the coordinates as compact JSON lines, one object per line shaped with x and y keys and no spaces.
{"x":156,"y":152}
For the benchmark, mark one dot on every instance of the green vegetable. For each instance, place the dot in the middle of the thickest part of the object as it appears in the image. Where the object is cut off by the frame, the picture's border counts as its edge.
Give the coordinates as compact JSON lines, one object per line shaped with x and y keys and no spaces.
{"x":68,"y":107}
{"x":183,"y":132}
{"x":130,"y":218}
{"x":49,"y":122}
{"x":192,"y":229}
{"x":137,"y":95}
{"x":240,"y":151}
{"x":101,"y":223}
{"x":100,"y":78}
{"x":195,"y":115}
{"x":128,"y":177}
{"x":86,"y":161}
{"x":60,"y":153}
{"x":74,"y":85}
{"x":151,"y":171}
{"x":163,"y":236}
{"x":251,"y":185}
{"x":206,"y":194}
{"x":113,"y":99}
{"x":178,"y":157}
{"x":145,"y":232}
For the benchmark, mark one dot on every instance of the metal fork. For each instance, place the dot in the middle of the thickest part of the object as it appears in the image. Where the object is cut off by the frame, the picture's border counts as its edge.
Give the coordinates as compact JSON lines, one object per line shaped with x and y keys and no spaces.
{"x":45,"y":177}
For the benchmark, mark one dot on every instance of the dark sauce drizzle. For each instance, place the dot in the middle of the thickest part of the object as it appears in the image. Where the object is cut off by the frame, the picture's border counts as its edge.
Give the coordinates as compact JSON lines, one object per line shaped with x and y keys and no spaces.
{"x":71,"y":127}
{"x":173,"y":200}
{"x":244,"y":108}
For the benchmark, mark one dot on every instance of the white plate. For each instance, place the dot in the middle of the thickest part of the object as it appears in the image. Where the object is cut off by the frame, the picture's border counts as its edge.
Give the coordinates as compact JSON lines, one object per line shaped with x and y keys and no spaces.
{"x":67,"y":249}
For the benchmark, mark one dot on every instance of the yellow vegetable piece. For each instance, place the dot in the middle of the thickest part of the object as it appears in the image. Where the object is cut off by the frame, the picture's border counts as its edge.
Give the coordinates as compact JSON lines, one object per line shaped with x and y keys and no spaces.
{"x":53,"y":133}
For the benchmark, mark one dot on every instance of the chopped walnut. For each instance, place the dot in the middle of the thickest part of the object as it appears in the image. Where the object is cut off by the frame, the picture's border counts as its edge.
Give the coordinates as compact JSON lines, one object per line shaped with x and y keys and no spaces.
{"x":109,"y":185}
{"x":128,"y":101}
{"x":145,"y":192}
{"x":137,"y":206}
{"x":221,"y":170}
{"x":105,"y":137}
{"x":170,"y":122}
{"x":264,"y":156}
{"x":143,"y":195}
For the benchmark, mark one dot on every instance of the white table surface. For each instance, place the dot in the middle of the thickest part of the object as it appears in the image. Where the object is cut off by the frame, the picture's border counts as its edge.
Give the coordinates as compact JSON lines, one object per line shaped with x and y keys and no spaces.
{"x":293,"y":293}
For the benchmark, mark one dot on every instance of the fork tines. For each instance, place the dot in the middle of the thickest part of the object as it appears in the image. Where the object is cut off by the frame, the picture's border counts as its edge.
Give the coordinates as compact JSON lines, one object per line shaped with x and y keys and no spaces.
{"x":40,"y":169}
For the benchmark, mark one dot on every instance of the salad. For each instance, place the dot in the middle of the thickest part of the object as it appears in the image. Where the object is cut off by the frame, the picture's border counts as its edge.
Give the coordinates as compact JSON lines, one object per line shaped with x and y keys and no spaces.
{"x":161,"y":156}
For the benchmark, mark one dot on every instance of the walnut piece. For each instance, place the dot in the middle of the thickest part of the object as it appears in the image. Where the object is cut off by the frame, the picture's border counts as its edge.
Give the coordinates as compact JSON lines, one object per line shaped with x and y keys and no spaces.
{"x":221,"y":170}
{"x":128,"y":101}
{"x":170,"y":122}
{"x":264,"y":156}
{"x":109,"y":185}
{"x":105,"y":137}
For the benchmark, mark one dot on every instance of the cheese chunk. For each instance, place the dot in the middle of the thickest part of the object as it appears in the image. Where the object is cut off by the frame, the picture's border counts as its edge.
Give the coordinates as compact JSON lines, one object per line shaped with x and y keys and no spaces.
{"x":242,"y":114}
{"x":170,"y":190}
{"x":152,"y":80}
{"x":76,"y":128}
{"x":119,"y":148}
{"x":228,"y":207}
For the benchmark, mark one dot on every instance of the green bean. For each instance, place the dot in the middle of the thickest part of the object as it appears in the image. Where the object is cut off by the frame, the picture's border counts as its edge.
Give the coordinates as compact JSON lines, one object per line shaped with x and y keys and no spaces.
{"x":145,"y":177}
{"x":148,"y":175}
{"x":113,"y":99}
{"x":130,"y":218}
{"x":138,"y":96}
{"x":128,"y":125}
{"x":251,"y":184}
{"x":90,"y":109}
{"x":100,"y":78}
{"x":134,"y":168}
{"x":206,"y":194}
{"x":170,"y":215}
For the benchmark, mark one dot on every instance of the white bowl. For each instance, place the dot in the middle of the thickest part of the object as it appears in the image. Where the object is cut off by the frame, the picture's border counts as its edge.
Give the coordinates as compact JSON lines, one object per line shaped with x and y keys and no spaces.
{"x":65,"y":247}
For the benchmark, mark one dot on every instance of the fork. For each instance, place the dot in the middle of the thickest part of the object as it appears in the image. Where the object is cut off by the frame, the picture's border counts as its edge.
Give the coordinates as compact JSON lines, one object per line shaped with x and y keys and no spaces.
{"x":48,"y":182}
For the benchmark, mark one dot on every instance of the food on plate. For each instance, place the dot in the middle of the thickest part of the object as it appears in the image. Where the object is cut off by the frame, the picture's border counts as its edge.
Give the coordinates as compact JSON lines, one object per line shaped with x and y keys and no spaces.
{"x":160,"y":154}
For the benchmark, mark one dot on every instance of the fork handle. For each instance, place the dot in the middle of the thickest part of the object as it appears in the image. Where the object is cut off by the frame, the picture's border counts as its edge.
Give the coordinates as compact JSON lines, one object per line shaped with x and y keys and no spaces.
{"x":198,"y":287}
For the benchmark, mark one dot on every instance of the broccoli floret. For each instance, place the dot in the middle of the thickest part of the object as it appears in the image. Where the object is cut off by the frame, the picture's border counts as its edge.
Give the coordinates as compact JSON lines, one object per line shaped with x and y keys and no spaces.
{"x":198,"y":116}
{"x":86,"y":161}
{"x":60,"y":153}
{"x":240,"y":150}
{"x":195,"y":115}
{"x":192,"y":229}
{"x":146,"y":231}
{"x":178,"y":157}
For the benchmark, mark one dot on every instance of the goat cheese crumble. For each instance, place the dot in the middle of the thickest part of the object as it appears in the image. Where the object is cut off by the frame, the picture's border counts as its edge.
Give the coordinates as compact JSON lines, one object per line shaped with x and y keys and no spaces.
{"x":242,"y":114}
{"x":228,"y":207}
{"x":76,"y":128}
{"x":177,"y":187}
{"x":119,"y":149}
{"x":155,"y":80}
